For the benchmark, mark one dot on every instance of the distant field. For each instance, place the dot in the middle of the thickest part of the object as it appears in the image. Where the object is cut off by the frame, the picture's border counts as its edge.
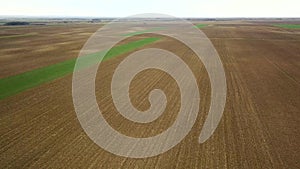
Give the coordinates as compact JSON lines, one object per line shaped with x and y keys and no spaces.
{"x":141,"y":32}
{"x":201,"y":25}
{"x":289,"y":26}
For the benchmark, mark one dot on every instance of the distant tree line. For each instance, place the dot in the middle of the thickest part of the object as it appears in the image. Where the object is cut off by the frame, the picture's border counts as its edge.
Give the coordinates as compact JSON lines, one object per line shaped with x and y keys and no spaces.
{"x":16,"y":23}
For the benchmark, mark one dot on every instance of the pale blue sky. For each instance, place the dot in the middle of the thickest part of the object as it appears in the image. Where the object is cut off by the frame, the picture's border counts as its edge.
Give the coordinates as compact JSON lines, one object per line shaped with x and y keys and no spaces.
{"x":177,"y":8}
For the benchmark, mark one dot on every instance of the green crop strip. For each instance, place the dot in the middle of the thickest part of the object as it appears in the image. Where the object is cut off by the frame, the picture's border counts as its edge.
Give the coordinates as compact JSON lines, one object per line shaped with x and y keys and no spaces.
{"x":200,"y":25}
{"x":288,"y":26}
{"x":141,"y":32}
{"x":16,"y":36}
{"x":15,"y":84}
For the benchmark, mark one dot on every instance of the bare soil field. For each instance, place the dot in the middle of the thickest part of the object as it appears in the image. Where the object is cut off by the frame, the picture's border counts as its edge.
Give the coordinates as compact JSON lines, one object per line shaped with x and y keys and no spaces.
{"x":43,"y":45}
{"x":259,"y":128}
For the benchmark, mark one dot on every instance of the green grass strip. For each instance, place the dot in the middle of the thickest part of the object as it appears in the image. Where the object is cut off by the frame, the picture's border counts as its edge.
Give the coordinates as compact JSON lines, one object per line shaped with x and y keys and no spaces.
{"x":200,"y":25}
{"x":15,"y":84}
{"x":288,"y":26}
{"x":141,"y":32}
{"x":16,"y":36}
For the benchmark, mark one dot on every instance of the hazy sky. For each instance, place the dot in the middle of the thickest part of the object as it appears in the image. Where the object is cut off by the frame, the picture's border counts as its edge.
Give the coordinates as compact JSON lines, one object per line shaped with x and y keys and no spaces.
{"x":177,"y":8}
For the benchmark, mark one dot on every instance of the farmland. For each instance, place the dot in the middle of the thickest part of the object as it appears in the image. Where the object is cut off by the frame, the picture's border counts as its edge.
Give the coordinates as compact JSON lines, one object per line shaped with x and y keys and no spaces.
{"x":288,"y":26}
{"x":260,"y":124}
{"x":18,"y":83}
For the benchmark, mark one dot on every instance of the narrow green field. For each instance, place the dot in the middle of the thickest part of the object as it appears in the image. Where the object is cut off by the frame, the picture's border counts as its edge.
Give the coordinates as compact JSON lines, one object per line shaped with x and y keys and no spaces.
{"x":201,"y":25}
{"x":15,"y":84}
{"x":288,"y":26}
{"x":16,"y":36}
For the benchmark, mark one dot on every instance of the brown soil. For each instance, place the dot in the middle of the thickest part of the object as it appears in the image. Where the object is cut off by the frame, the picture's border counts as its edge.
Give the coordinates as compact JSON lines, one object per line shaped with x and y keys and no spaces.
{"x":259,"y":128}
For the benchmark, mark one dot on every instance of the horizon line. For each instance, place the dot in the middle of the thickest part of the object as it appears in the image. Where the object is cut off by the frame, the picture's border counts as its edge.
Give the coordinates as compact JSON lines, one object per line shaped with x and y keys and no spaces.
{"x":110,"y":17}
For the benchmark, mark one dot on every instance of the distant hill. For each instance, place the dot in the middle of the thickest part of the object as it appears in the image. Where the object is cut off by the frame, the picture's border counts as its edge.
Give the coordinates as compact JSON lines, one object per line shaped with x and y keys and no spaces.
{"x":16,"y":23}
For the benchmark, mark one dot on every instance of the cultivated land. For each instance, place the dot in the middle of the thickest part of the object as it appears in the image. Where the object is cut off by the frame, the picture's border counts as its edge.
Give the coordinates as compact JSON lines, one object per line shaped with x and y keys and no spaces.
{"x":259,"y":128}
